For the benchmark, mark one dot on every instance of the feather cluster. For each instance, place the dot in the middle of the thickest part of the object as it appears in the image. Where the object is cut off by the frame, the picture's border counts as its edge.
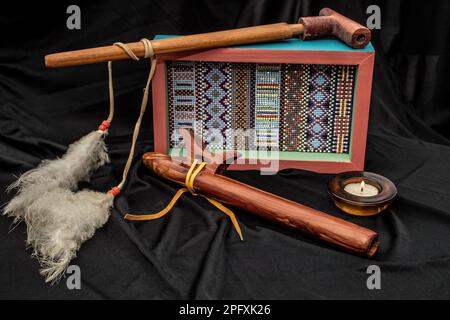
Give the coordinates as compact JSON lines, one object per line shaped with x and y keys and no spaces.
{"x":60,"y":218}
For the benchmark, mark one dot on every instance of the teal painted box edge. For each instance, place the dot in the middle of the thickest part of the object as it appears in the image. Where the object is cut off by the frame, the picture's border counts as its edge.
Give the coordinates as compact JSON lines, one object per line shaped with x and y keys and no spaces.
{"x":297,"y":44}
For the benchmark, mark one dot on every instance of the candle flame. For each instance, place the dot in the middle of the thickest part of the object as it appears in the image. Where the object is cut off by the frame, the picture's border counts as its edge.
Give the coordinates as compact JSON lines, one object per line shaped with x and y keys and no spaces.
{"x":363,"y":184}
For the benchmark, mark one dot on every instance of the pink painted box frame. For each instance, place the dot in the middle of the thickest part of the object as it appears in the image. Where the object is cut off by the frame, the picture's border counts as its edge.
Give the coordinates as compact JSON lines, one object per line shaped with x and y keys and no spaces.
{"x":363,"y":59}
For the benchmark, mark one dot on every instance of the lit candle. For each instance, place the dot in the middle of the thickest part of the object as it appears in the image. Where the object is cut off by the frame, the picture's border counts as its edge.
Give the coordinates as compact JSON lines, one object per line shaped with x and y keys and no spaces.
{"x":361,"y":193}
{"x":361,"y":189}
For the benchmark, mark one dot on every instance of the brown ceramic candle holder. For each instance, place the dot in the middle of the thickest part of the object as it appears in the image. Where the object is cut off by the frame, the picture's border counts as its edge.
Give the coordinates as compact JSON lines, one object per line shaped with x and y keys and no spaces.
{"x":361,"y":193}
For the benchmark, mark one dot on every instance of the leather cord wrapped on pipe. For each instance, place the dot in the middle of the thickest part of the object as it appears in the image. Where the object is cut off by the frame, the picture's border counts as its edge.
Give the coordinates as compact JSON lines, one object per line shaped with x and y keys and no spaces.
{"x":328,"y":23}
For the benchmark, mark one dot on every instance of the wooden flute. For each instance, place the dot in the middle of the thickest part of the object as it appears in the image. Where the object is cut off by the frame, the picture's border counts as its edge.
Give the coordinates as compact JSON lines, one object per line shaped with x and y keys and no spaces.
{"x":211,"y":183}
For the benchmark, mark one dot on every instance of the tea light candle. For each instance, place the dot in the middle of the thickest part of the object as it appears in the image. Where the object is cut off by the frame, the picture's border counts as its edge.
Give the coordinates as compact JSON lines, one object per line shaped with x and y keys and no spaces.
{"x":361,"y":189}
{"x":361,"y":193}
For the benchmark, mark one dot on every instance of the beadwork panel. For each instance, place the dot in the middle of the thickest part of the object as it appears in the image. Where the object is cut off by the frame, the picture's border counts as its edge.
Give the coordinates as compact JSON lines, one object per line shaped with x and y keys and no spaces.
{"x":249,"y":106}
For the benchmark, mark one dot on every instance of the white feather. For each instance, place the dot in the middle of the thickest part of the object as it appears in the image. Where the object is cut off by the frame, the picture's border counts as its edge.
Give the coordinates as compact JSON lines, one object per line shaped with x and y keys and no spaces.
{"x":59,"y":222}
{"x":58,"y":219}
{"x":80,"y":160}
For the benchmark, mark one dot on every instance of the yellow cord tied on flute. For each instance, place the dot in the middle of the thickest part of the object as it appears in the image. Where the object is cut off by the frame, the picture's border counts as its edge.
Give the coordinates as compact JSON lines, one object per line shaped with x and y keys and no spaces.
{"x":194,"y":170}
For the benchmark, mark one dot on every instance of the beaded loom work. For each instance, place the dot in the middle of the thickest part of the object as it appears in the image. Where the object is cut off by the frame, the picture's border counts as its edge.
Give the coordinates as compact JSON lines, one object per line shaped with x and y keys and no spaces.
{"x":285,"y":107}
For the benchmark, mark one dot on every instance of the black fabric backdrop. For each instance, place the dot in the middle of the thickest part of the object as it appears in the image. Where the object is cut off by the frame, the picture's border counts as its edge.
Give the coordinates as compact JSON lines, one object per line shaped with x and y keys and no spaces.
{"x":193,"y":252}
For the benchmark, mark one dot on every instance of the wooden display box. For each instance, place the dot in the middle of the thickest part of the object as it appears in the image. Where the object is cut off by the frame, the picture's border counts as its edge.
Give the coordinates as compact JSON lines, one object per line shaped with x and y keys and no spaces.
{"x":287,"y":104}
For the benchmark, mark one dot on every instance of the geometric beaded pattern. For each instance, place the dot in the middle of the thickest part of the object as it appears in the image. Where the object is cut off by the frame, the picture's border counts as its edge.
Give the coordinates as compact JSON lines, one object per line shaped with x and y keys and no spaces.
{"x":182,"y":102}
{"x":241,"y":97}
{"x":294,"y":105}
{"x":289,"y":107}
{"x":343,"y":109}
{"x":319,"y":123}
{"x":217,"y":109}
{"x":267,"y":106}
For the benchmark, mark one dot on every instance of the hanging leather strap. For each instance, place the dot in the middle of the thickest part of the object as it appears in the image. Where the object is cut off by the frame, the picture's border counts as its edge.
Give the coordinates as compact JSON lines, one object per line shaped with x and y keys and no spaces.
{"x":193,"y":171}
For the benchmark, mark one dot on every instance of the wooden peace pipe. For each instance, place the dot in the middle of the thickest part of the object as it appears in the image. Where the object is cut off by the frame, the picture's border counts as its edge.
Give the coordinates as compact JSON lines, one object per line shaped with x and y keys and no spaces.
{"x":329,"y":23}
{"x":332,"y":230}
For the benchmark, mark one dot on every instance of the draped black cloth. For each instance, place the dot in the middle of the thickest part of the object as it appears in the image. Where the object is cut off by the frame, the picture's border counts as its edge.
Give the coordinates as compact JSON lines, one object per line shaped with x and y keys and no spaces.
{"x":194,"y":251}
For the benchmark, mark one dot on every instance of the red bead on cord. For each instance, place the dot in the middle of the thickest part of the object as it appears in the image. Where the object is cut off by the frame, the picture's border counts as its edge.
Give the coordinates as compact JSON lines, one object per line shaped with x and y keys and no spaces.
{"x":104,"y":125}
{"x":114,"y":191}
